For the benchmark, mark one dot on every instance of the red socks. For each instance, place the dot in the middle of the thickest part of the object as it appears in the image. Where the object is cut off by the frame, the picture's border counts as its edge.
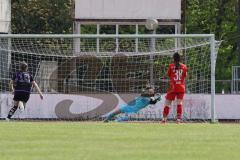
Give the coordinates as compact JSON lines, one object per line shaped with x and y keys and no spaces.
{"x":179,"y":111}
{"x":165,"y":111}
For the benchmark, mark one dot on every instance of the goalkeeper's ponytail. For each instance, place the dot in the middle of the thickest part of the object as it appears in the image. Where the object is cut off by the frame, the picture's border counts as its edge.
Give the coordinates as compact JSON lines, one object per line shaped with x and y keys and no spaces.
{"x":176,"y":57}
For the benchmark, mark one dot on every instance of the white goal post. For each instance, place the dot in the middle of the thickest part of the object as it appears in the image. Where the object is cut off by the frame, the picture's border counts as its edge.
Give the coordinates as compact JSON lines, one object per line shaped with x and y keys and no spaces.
{"x":84,"y":64}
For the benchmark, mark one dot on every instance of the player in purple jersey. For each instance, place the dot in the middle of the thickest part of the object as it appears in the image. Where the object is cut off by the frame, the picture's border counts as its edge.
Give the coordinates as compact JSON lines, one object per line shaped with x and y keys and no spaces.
{"x":20,"y":85}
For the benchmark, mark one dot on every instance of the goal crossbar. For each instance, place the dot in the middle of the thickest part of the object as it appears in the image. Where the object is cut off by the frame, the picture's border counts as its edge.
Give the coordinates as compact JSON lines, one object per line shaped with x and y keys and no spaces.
{"x":106,"y":35}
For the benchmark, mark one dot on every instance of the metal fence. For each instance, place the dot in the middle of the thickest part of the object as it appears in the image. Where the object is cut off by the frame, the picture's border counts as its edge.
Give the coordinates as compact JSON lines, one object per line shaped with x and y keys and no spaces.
{"x":235,"y":86}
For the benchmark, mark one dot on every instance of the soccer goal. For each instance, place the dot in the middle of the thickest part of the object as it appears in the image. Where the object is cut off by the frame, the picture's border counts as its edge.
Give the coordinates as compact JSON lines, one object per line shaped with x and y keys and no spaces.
{"x":87,"y":76}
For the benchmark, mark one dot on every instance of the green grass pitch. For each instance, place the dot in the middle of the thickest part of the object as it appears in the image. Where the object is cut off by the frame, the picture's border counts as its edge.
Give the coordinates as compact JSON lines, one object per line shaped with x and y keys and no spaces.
{"x":118,"y":141}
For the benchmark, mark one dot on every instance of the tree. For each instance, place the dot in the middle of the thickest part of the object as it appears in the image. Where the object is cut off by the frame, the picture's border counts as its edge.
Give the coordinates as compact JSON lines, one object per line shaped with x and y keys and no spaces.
{"x":41,"y":16}
{"x":218,"y":17}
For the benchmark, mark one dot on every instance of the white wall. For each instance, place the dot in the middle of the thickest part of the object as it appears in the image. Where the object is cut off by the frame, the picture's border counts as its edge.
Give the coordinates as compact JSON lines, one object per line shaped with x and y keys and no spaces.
{"x":127,"y":9}
{"x":228,"y":106}
{"x":195,"y":106}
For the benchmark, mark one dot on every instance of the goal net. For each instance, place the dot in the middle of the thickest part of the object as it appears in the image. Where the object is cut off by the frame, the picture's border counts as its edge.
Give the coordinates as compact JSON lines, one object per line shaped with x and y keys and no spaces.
{"x":88,"y":76}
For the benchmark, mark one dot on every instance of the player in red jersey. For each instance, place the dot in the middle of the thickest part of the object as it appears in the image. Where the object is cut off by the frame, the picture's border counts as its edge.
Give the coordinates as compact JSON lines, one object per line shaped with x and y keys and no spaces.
{"x":177,"y":73}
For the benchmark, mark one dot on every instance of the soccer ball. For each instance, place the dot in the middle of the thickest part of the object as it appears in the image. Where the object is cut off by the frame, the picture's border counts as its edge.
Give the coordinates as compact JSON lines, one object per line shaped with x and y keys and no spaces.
{"x":151,"y":24}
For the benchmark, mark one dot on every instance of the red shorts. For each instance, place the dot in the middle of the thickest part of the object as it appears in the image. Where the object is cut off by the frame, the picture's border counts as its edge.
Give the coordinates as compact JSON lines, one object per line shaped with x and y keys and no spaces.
{"x":172,"y":95}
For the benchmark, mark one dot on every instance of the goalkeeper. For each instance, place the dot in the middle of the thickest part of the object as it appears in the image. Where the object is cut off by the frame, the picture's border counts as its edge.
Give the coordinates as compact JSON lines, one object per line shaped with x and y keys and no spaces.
{"x":148,"y":96}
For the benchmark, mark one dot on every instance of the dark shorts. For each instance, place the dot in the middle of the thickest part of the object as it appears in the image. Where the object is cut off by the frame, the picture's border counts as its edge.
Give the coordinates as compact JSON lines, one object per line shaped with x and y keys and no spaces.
{"x":21,"y":96}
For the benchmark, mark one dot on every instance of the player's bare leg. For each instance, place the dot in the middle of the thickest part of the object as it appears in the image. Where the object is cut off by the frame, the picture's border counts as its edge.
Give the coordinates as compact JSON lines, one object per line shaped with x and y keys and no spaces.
{"x":21,"y":106}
